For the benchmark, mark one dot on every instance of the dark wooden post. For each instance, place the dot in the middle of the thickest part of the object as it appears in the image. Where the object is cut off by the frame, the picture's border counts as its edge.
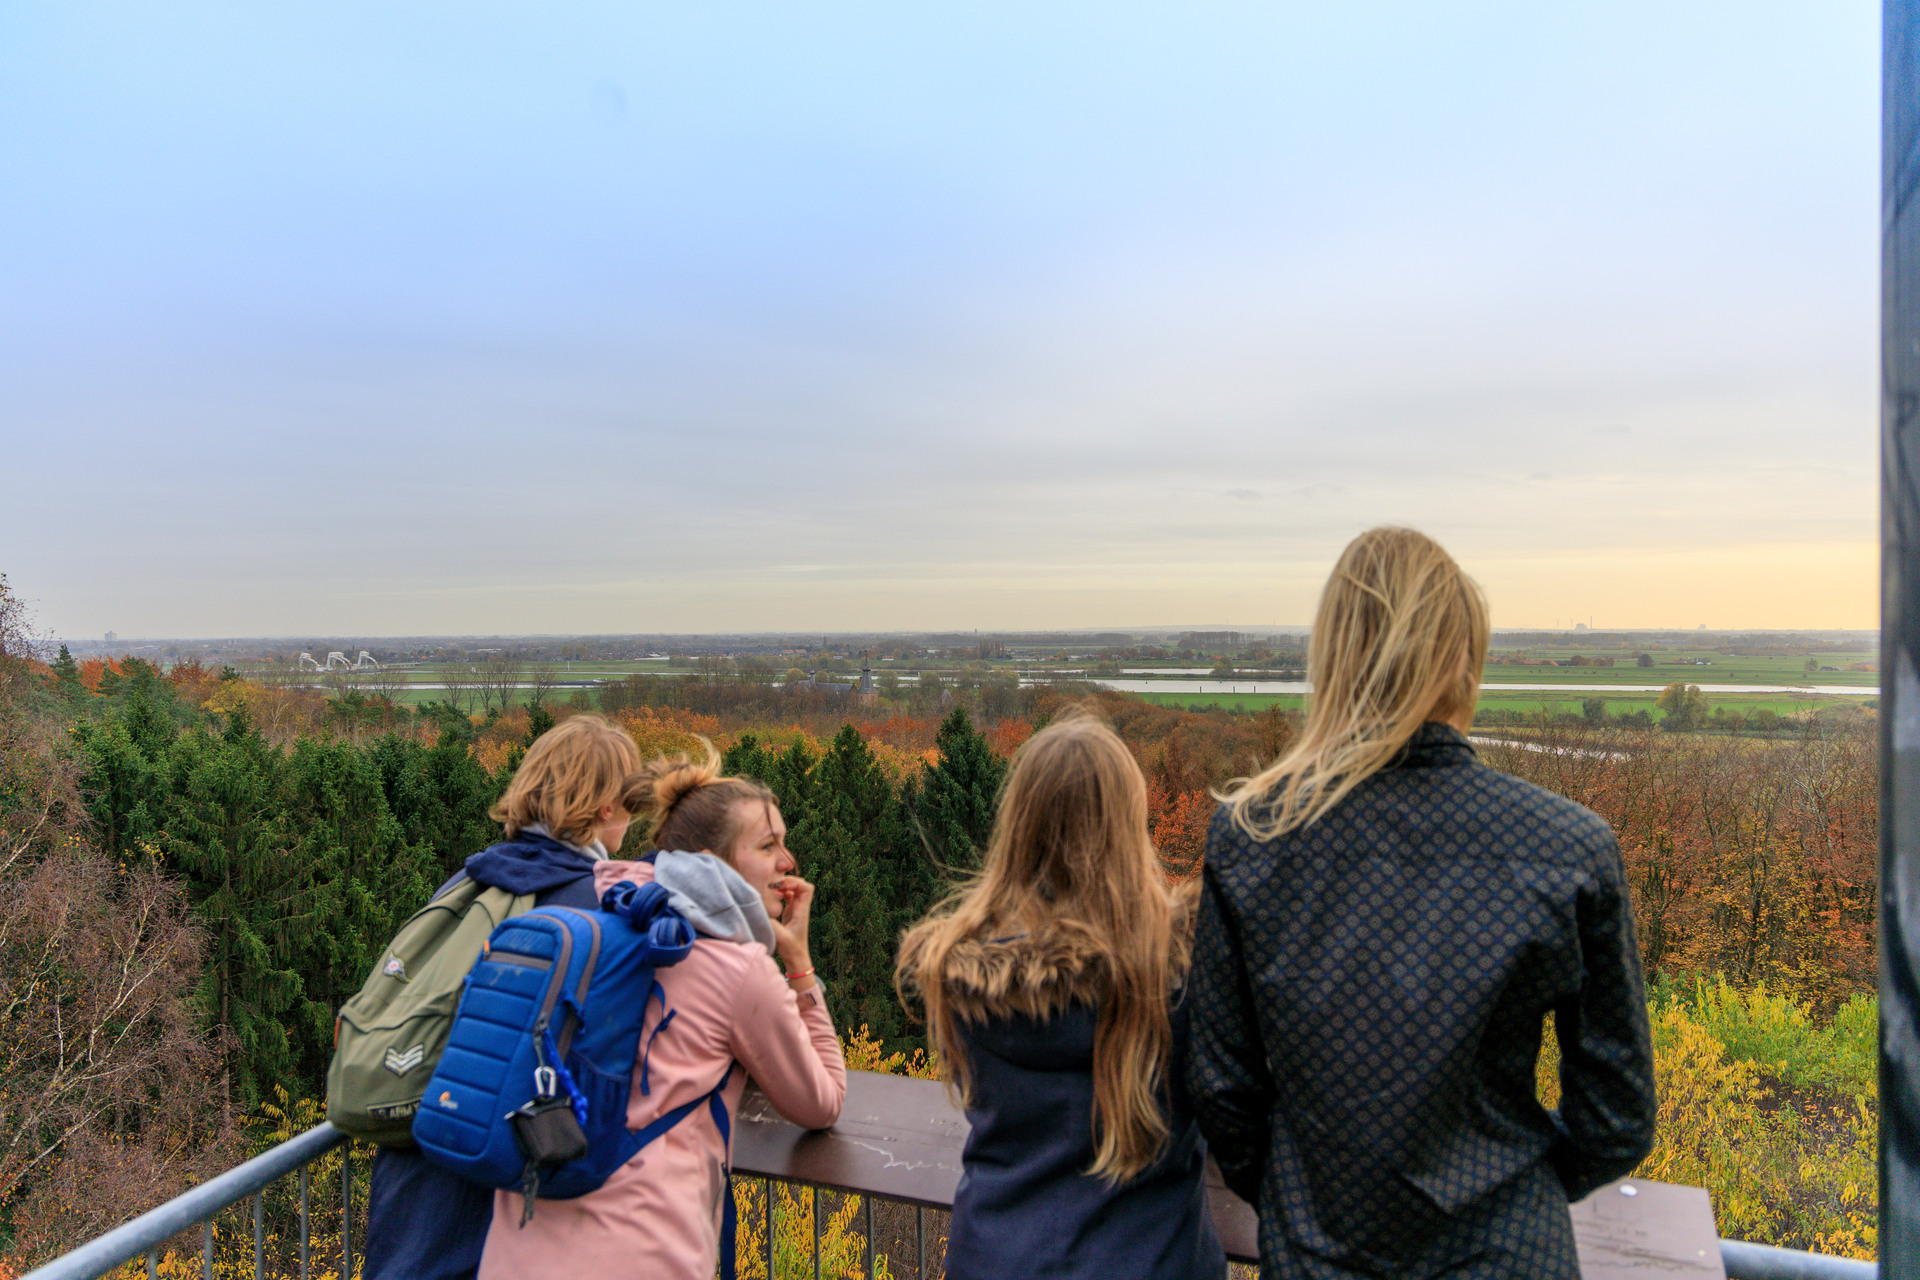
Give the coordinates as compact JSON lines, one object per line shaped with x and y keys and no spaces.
{"x":1900,"y":641}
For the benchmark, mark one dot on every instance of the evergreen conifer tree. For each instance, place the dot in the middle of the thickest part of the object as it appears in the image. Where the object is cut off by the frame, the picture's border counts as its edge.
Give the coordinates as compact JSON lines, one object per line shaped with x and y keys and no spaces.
{"x":855,"y":839}
{"x":125,"y":784}
{"x":66,"y":678}
{"x":223,"y":835}
{"x":366,"y":880}
{"x":953,"y":807}
{"x":439,"y":795}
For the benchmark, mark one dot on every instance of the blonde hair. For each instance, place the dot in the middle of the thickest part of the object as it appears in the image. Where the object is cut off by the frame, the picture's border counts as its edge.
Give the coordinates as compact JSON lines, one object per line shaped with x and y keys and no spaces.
{"x":1400,"y":634}
{"x":568,"y":774}
{"x":1070,"y":854}
{"x":692,"y":807}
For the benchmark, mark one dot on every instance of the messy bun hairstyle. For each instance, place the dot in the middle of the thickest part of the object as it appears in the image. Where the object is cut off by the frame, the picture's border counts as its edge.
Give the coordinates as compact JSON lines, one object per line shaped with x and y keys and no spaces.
{"x":692,"y":807}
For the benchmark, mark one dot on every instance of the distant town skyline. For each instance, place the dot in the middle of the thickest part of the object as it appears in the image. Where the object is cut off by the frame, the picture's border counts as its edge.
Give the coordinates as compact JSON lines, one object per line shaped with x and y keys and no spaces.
{"x":115,"y":642}
{"x":615,"y":319}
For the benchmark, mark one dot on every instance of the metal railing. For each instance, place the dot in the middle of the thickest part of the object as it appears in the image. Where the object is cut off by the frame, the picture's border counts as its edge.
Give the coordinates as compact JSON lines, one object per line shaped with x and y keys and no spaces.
{"x":146,"y":1233}
{"x":897,"y":1146}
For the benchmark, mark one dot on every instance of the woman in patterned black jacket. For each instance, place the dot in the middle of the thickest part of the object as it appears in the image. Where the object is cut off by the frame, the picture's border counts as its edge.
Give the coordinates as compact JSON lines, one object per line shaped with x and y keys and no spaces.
{"x":1386,"y":924}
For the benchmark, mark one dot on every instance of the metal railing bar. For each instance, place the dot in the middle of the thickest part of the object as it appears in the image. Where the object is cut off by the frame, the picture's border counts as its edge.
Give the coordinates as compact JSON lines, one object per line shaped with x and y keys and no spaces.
{"x":920,"y":1242}
{"x":769,"y":1229}
{"x":154,"y":1228}
{"x":1745,"y":1261}
{"x":146,"y":1233}
{"x":259,"y":1235}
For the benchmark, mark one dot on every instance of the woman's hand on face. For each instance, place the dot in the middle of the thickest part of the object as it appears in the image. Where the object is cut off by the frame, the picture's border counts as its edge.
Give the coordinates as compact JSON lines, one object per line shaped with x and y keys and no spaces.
{"x":790,"y":925}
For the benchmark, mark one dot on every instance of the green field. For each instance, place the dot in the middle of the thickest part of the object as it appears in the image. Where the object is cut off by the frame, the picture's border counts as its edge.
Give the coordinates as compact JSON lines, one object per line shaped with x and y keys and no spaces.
{"x":1526,"y":701}
{"x":1669,"y":667}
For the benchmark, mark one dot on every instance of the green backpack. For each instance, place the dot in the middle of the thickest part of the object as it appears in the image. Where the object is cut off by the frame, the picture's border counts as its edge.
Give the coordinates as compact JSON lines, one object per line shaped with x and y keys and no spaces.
{"x":388,"y":1038}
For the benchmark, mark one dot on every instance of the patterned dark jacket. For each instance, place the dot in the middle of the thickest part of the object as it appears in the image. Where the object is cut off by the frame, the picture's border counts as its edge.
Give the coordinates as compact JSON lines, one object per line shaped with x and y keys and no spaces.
{"x":1368,"y":996}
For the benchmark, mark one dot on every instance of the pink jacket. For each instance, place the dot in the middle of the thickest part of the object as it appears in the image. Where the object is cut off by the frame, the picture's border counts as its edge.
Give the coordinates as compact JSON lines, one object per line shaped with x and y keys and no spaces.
{"x":658,"y":1216}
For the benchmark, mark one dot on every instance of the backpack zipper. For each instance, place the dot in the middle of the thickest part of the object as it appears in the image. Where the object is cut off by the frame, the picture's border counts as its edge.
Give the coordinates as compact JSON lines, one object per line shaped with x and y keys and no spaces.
{"x":565,"y":1039}
{"x":554,"y":983}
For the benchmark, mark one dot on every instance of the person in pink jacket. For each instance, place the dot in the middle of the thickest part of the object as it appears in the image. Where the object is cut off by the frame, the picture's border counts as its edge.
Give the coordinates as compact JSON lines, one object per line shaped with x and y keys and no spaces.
{"x":745,"y":994}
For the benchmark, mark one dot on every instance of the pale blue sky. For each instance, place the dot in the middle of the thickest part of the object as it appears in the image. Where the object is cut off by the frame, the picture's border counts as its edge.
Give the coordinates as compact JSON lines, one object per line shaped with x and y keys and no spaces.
{"x":565,"y":318}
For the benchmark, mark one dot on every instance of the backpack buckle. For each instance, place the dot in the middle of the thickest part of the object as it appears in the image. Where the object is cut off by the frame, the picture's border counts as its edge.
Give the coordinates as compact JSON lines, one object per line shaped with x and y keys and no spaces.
{"x":545,"y":1082}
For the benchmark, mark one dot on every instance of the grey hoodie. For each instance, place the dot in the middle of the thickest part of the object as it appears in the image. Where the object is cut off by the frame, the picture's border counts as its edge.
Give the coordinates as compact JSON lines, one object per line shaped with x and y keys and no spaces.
{"x":713,"y":897}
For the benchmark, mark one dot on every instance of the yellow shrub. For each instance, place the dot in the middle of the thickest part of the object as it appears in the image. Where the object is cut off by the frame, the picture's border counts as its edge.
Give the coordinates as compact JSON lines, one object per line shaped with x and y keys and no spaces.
{"x":843,"y":1247}
{"x":864,"y":1053}
{"x":1712,"y":1131}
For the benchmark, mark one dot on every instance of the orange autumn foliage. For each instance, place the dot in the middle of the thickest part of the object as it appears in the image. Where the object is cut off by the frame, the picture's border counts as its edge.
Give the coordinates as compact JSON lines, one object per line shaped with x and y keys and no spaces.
{"x":1178,"y":822}
{"x":93,"y":668}
{"x":914,"y":734}
{"x":193,"y":682}
{"x":1752,"y":857}
{"x":1005,"y":738}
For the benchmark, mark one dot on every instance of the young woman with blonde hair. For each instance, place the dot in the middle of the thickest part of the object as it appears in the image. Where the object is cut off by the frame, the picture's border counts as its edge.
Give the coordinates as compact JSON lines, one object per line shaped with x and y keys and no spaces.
{"x":744,"y":997}
{"x":565,"y":811}
{"x":1385,"y":926}
{"x":1047,"y":984}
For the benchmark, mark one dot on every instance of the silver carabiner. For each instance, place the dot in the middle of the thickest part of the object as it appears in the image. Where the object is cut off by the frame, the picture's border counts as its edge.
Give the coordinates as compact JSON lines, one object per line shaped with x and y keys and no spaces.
{"x":545,"y":1082}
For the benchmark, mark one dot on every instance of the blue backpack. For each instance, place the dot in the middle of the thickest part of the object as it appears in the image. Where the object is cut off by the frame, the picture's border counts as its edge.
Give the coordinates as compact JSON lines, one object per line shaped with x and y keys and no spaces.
{"x":532,"y":1089}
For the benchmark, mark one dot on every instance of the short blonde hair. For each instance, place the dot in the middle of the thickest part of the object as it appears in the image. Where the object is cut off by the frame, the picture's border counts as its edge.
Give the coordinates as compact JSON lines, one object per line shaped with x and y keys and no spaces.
{"x":569,"y":773}
{"x":1401,"y":634}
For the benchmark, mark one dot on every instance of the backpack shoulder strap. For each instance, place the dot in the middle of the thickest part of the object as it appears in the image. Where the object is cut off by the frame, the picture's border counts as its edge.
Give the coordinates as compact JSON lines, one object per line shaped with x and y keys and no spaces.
{"x":716,"y":1102}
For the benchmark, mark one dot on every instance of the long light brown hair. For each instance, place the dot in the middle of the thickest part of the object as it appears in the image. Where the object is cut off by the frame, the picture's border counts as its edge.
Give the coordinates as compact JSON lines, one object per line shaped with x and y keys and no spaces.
{"x":1400,"y":637}
{"x":1070,"y":855}
{"x":568,"y":774}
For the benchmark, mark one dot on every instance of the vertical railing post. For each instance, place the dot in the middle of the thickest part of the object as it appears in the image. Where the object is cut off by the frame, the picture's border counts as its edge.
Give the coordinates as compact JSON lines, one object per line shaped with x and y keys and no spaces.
{"x":206,"y":1250}
{"x":346,"y":1212}
{"x":769,"y":1229}
{"x":1900,"y":640}
{"x":306,"y":1235}
{"x":816,"y":1233}
{"x":873,"y":1246}
{"x":259,"y":1235}
{"x":920,"y":1241}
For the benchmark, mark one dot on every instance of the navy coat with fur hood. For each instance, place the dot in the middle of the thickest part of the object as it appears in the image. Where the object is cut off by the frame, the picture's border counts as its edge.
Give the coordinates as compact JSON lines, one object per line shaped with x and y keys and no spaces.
{"x":1026,"y":1009}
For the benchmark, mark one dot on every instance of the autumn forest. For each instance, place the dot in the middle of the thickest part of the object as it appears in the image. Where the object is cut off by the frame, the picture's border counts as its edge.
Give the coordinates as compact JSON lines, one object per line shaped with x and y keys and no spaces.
{"x":196,"y":869}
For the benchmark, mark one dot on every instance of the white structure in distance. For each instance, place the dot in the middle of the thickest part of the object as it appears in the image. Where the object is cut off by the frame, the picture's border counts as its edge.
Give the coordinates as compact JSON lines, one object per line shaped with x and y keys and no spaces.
{"x":337,"y":661}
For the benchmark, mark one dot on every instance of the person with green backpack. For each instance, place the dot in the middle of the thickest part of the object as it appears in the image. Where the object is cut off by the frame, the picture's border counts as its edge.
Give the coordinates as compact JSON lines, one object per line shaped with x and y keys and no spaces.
{"x":562,"y":815}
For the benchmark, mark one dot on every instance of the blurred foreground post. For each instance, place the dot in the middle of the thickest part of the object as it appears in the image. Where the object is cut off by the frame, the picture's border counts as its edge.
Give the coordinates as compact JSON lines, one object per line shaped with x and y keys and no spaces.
{"x":1900,"y":641}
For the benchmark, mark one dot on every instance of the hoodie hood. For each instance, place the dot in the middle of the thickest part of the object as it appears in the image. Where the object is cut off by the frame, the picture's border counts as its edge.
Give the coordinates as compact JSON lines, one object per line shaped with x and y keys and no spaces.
{"x":713,"y":897}
{"x":529,"y":863}
{"x":595,"y":850}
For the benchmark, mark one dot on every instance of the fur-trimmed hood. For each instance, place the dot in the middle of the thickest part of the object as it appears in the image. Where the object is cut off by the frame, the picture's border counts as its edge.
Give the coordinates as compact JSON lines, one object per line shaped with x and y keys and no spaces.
{"x":1038,"y":973}
{"x":1035,"y":975}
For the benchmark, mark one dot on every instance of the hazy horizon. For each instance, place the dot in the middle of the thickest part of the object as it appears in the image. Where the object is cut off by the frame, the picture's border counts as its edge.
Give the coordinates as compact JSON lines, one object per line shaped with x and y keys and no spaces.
{"x":434,"y":320}
{"x":1160,"y":630}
